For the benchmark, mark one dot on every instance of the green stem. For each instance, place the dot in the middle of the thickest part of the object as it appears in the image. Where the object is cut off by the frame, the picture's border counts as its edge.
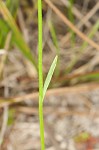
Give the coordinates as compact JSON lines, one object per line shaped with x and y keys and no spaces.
{"x":41,"y":125}
{"x":40,"y":74}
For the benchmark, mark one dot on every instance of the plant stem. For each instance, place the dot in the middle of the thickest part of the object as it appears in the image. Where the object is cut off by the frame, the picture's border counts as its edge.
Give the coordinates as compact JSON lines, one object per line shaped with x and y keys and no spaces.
{"x":41,"y":125}
{"x":40,"y":74}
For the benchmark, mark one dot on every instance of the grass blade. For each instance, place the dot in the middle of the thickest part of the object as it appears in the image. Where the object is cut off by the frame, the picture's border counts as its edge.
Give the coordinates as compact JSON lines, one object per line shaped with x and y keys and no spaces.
{"x":90,"y":35}
{"x":55,"y":42}
{"x":53,"y":34}
{"x":12,"y":6}
{"x":18,"y":39}
{"x":4,"y":28}
{"x":49,"y":76}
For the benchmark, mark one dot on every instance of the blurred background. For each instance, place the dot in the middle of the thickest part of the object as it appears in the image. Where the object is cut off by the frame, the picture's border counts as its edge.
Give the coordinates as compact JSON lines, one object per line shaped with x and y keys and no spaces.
{"x":71,"y":106}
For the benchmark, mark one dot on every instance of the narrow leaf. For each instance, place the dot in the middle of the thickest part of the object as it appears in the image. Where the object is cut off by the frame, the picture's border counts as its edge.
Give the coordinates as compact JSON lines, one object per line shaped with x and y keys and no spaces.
{"x":4,"y":28}
{"x":90,"y":35}
{"x":12,"y":6}
{"x":18,"y":39}
{"x":49,"y":76}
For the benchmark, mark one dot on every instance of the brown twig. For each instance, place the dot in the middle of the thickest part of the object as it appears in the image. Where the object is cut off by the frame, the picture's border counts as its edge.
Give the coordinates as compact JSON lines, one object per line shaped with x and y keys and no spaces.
{"x":67,"y":22}
{"x":83,"y":20}
{"x":51,"y":110}
{"x":74,"y":75}
{"x":57,"y":91}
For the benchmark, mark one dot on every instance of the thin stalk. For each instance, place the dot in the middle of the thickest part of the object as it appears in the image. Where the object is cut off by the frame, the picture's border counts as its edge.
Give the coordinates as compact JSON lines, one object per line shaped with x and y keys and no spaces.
{"x":40,"y":74}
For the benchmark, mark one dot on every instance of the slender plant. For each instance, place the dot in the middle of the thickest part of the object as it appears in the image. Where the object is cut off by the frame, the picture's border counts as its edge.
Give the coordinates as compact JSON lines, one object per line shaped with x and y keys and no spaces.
{"x":42,"y":89}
